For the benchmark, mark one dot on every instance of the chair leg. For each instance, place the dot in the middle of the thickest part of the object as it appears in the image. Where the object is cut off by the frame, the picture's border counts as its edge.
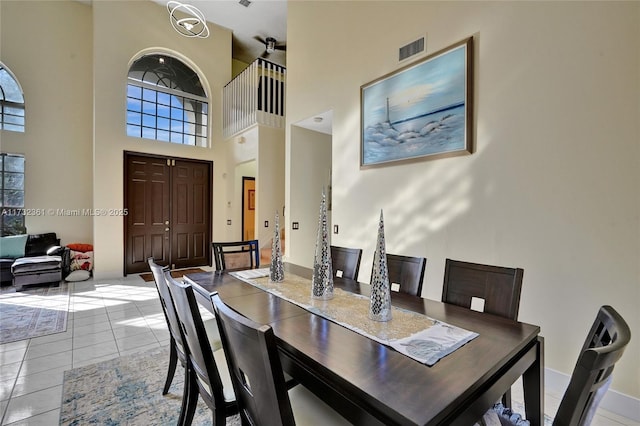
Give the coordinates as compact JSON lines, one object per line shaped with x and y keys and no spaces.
{"x":189,"y":397}
{"x":173,"y":361}
{"x":506,"y":399}
{"x":219,"y":417}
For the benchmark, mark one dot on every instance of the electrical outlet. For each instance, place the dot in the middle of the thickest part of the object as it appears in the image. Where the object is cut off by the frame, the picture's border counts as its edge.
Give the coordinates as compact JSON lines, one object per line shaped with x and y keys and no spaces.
{"x":295,"y":225}
{"x":335,"y":229}
{"x":228,"y":221}
{"x":266,"y":223}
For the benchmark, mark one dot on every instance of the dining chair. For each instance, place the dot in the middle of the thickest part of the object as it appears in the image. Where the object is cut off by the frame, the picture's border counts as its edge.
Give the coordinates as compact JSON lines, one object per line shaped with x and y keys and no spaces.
{"x":592,"y":374}
{"x":258,"y":378}
{"x":236,"y":255}
{"x":208,"y":375}
{"x":177,"y":350}
{"x":345,"y":262}
{"x":406,"y":273}
{"x":497,"y":287}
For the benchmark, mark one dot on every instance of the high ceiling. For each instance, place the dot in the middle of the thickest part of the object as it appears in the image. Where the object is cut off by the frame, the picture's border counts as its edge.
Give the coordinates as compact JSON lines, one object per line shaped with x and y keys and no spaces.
{"x":261,"y":19}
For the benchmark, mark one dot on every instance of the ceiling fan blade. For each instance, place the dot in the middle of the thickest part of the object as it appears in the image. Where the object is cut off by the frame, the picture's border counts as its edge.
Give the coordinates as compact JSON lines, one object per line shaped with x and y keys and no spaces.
{"x":281,"y":47}
{"x":260,"y":39}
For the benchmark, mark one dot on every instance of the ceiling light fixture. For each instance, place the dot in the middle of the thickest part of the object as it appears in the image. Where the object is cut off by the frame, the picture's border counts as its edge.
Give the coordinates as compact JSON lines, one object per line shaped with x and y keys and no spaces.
{"x":271,"y":44}
{"x":191,"y":24}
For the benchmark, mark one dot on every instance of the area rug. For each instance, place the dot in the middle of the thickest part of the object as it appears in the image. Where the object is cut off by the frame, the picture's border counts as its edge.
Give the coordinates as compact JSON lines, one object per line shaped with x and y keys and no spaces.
{"x":128,"y":391}
{"x":148,"y":277}
{"x":32,"y":313}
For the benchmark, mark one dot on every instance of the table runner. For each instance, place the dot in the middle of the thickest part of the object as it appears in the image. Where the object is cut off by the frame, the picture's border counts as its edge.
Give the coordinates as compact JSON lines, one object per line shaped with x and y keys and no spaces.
{"x":415,"y":335}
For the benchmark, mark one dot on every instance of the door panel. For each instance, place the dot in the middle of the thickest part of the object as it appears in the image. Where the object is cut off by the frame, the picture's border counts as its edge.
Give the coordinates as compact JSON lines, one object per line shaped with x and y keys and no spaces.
{"x":147,"y":198}
{"x":191,"y":210}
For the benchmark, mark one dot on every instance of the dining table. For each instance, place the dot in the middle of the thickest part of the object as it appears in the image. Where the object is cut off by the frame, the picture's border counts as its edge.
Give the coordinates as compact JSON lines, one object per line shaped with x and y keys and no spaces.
{"x":370,"y":383}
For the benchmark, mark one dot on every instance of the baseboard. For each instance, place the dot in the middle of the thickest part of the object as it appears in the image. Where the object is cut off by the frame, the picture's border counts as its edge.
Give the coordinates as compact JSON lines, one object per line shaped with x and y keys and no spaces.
{"x":613,"y":401}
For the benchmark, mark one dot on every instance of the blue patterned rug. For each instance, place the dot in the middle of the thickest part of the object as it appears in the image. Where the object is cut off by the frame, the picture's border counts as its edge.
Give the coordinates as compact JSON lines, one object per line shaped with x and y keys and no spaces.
{"x":127,"y":391}
{"x":32,"y":313}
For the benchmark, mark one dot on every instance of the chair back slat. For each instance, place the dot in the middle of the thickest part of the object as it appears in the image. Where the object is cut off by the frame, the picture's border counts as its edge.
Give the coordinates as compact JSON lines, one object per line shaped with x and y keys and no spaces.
{"x":346,"y":260}
{"x":236,"y":255}
{"x":407,"y":272}
{"x":199,"y":349}
{"x":256,"y":371}
{"x":168,"y":307}
{"x":500,"y":287}
{"x":603,"y":347}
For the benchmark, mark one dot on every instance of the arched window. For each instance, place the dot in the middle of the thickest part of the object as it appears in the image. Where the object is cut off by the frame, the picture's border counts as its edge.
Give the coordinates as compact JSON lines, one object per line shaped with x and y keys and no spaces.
{"x":166,"y":101}
{"x":11,"y":102}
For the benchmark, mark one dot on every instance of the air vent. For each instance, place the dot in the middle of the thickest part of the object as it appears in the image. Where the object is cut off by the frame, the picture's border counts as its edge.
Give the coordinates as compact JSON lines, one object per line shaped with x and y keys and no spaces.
{"x":245,"y":3}
{"x":411,"y":49}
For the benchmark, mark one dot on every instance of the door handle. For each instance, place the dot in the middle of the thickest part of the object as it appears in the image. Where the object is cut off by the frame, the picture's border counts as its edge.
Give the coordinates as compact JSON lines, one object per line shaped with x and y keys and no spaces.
{"x":166,"y":229}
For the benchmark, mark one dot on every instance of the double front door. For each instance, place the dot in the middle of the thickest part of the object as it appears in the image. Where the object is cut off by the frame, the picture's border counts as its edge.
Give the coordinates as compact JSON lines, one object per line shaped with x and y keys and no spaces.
{"x":169,"y":212}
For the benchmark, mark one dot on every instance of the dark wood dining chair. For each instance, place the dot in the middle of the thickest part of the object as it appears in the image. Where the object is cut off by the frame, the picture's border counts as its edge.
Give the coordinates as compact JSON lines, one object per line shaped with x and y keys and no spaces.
{"x":605,"y":343}
{"x":346,"y":262}
{"x":406,"y":273}
{"x":177,"y":349}
{"x":499,"y":287}
{"x":207,"y":375}
{"x":258,"y":379}
{"x":236,"y":255}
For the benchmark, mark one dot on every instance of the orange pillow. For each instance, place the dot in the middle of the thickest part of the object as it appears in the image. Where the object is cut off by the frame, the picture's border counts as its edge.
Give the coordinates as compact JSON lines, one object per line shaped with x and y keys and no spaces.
{"x":80,"y":247}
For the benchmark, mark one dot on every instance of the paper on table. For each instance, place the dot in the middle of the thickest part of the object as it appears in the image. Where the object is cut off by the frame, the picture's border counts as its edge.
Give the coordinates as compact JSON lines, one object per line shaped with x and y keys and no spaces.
{"x":252,"y":273}
{"x":433,"y":343}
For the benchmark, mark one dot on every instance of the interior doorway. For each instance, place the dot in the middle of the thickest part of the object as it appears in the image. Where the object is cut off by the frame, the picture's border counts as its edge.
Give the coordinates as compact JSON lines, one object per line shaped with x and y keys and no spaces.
{"x":248,"y":208}
{"x":169,"y":211}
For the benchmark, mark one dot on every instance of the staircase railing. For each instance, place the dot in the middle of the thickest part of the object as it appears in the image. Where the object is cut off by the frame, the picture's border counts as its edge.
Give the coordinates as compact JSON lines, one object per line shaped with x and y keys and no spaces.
{"x":255,"y":96}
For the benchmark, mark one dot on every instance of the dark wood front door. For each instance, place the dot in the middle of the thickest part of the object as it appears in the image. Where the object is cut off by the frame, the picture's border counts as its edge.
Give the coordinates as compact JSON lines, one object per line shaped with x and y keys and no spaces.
{"x":169,"y":212}
{"x":191,"y":214}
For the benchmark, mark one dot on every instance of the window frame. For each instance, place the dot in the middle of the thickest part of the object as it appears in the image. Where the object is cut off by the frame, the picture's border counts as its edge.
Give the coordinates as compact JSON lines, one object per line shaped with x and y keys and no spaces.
{"x":11,"y":211}
{"x":20,"y":123}
{"x":147,"y":123}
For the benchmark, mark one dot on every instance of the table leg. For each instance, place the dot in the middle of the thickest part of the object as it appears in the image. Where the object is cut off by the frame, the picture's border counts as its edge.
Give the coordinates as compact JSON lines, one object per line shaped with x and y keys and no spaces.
{"x":533,"y":384}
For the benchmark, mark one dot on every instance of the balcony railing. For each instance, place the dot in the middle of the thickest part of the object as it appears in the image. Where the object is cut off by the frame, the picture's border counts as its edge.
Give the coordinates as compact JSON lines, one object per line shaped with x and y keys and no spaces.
{"x":255,"y":96}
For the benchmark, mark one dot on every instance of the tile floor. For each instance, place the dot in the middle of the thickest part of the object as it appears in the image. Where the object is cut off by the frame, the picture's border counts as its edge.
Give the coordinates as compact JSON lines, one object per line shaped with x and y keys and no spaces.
{"x":107,"y":319}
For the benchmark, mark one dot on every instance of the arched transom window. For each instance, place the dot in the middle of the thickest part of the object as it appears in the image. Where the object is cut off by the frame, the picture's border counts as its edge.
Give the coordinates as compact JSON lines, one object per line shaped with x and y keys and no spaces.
{"x":166,"y":101}
{"x":11,"y":102}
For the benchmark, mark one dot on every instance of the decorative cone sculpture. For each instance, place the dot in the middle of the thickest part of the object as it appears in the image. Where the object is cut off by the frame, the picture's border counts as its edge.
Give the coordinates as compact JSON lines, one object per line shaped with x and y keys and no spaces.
{"x":277,"y":268}
{"x":380,"y":302}
{"x":322,"y":281}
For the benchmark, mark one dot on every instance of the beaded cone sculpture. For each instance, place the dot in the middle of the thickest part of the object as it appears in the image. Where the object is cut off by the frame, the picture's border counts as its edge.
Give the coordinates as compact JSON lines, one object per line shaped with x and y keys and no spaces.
{"x":276,"y":271}
{"x":380,"y":301}
{"x":322,"y":281}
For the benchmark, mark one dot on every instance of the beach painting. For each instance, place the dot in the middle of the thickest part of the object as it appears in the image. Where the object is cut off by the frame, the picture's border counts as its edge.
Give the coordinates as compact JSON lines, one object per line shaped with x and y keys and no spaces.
{"x":423,"y":110}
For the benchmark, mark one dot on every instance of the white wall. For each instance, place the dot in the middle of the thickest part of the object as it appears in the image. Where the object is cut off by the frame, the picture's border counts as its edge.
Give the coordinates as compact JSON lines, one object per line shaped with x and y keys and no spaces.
{"x":122,"y":30}
{"x":312,"y":166}
{"x":553,"y":184}
{"x":269,"y":183}
{"x":54,"y":66}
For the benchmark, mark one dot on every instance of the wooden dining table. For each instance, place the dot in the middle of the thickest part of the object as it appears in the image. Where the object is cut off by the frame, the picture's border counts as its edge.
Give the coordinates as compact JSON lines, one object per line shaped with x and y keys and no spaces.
{"x":370,"y":383}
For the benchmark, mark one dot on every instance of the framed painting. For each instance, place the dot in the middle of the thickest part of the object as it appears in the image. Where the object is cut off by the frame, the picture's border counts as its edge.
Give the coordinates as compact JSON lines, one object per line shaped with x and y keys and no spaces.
{"x":421,"y":111}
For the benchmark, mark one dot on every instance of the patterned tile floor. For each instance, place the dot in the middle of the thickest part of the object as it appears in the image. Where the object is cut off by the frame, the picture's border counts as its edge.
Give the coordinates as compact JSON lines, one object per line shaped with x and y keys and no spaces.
{"x":107,"y":319}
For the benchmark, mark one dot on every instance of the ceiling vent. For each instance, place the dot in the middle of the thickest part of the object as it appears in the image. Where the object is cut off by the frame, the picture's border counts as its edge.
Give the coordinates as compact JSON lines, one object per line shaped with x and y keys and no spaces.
{"x":245,"y":3}
{"x":411,"y":49}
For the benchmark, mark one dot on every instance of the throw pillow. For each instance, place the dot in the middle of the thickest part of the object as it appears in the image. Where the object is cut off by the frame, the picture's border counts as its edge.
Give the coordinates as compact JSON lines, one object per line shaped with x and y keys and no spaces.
{"x":78,"y":275}
{"x":12,"y":247}
{"x":81,"y":260}
{"x":80,"y":247}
